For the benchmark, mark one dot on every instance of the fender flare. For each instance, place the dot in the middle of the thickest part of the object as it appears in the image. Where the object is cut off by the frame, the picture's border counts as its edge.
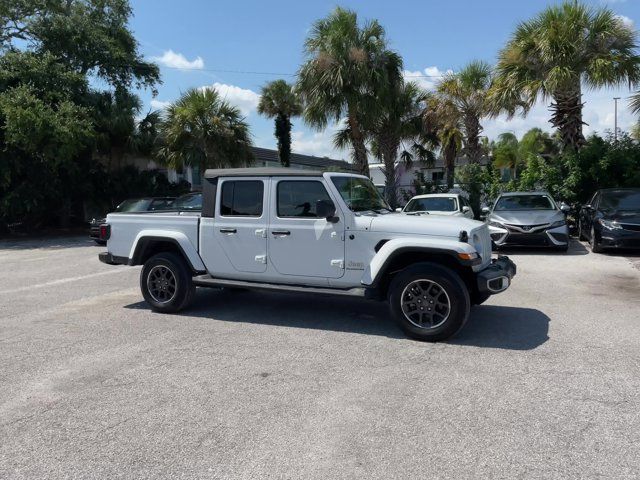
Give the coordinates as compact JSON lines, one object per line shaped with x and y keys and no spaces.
{"x":398,"y":246}
{"x":177,"y":238}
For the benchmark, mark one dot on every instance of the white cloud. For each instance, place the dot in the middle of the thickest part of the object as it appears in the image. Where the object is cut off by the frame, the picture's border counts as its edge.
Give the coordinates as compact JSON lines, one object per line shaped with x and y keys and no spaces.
{"x":176,"y":60}
{"x":246,"y":100}
{"x":626,"y":20}
{"x":426,"y":78}
{"x":158,"y":104}
{"x":319,"y":144}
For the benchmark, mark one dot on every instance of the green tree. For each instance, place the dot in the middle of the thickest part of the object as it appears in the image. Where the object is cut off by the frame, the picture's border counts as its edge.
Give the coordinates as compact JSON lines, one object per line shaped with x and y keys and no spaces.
{"x":201,"y":129}
{"x":443,"y":125}
{"x":280,"y":101}
{"x":554,"y":55}
{"x":506,"y":153}
{"x":468,"y":91}
{"x":346,"y":66}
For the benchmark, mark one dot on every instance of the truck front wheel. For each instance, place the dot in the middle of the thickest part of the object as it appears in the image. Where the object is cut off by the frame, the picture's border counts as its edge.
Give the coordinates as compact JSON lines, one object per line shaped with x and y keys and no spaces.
{"x":166,"y":283}
{"x":429,"y":301}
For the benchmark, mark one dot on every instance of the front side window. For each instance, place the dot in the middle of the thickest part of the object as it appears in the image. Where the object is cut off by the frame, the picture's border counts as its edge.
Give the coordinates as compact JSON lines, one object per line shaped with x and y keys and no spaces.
{"x":298,"y":198}
{"x":525,"y":202}
{"x":242,"y":198}
{"x":432,"y":204}
{"x":360,"y":194}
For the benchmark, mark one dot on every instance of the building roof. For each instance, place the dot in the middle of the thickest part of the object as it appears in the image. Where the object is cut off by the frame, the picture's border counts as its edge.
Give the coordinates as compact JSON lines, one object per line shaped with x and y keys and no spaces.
{"x":260,"y":172}
{"x":322,"y":163}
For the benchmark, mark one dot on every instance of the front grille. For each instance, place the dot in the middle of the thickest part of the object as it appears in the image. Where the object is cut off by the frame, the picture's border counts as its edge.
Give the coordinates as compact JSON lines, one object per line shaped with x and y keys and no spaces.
{"x":526,"y":228}
{"x":481,"y":240}
{"x":634,"y":227}
{"x":527,"y":239}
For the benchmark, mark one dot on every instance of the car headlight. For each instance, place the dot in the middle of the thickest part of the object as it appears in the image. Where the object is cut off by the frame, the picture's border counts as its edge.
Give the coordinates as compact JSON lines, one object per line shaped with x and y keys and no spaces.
{"x":609,"y":225}
{"x":559,"y":223}
{"x":496,"y":224}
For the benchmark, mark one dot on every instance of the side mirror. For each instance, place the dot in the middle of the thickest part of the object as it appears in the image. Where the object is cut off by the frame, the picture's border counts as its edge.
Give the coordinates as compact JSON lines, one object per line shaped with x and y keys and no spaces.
{"x":465,"y":209}
{"x":486,"y":210}
{"x":326,"y":209}
{"x":588,"y":207}
{"x":398,"y":209}
{"x":565,"y":208}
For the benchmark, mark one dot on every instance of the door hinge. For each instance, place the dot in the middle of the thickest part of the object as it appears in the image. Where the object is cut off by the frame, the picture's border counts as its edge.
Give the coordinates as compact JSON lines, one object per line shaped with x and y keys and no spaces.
{"x":261,"y":258}
{"x":261,"y":232}
{"x":338,"y":262}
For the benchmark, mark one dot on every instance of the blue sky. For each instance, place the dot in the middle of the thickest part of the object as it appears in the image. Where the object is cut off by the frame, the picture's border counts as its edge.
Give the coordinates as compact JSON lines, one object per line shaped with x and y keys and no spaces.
{"x":198,"y":43}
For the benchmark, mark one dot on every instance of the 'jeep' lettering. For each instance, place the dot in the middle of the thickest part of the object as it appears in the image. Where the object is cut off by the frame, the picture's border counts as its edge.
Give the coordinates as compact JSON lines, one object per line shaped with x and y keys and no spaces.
{"x":355,"y":265}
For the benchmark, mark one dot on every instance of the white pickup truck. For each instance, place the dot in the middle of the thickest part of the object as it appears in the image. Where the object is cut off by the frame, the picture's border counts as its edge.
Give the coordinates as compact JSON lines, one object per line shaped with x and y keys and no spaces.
{"x":307,"y":231}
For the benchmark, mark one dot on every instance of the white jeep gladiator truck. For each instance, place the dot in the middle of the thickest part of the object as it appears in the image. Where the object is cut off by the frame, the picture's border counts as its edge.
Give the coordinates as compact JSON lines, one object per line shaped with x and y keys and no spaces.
{"x":306,"y":231}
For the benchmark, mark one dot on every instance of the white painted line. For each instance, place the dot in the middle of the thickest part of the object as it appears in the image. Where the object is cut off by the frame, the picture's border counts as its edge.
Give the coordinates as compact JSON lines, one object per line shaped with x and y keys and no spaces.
{"x":64,"y":280}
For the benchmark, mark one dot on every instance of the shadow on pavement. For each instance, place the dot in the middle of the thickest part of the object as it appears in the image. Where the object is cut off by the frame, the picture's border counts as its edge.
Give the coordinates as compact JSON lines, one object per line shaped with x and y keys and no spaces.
{"x":575,"y":248}
{"x":488,"y":326}
{"x":512,"y":328}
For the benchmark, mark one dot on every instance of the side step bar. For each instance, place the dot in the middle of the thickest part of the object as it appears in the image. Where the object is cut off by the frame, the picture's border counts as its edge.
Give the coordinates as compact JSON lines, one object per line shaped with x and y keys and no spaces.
{"x":209,"y":281}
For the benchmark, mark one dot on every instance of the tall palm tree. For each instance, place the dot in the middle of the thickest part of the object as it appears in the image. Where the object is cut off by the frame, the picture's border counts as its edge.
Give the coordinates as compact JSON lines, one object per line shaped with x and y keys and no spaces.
{"x":443,"y":124}
{"x":468,"y":90}
{"x":397,"y":131}
{"x":201,"y":129}
{"x":345,"y":67}
{"x":554,"y":55}
{"x":280,"y":101}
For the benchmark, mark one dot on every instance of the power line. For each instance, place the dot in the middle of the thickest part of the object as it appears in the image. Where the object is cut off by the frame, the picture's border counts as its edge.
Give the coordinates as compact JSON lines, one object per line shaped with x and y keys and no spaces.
{"x":249,"y":72}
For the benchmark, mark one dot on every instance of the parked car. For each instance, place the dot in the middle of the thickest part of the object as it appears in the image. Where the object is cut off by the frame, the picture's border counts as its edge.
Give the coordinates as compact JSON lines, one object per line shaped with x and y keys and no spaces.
{"x":188,"y":202}
{"x":439,"y":204}
{"x":611,"y":219}
{"x":528,"y":219}
{"x":131,"y":205}
{"x":318,"y":233}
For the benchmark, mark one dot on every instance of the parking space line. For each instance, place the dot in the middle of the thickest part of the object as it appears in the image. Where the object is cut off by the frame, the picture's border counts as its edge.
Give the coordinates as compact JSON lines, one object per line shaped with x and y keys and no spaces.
{"x":63,"y":280}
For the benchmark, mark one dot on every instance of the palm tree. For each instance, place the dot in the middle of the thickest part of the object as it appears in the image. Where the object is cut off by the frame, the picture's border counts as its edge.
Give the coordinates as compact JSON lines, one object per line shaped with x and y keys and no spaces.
{"x":506,"y":152}
{"x":555,"y":54}
{"x":201,"y":129}
{"x":468,"y":90}
{"x":399,"y":121}
{"x":346,"y":65}
{"x":443,"y":124}
{"x":280,"y":101}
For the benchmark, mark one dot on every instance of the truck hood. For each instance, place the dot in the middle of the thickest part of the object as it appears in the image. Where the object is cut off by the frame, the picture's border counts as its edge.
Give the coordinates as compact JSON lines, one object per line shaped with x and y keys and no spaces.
{"x":526,"y":217}
{"x":436,"y":225}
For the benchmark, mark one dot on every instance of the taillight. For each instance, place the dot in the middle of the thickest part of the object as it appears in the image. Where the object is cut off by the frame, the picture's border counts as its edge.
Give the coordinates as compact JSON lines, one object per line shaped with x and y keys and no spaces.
{"x":105,"y":231}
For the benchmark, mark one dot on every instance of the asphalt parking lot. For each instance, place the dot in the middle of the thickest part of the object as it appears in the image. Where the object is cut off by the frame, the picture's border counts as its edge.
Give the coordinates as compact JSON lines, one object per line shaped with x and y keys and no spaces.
{"x":544,"y":381}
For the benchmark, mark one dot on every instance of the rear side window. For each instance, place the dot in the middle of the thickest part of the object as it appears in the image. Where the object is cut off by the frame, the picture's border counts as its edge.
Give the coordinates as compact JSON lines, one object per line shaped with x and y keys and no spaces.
{"x":242,"y":198}
{"x":298,"y":198}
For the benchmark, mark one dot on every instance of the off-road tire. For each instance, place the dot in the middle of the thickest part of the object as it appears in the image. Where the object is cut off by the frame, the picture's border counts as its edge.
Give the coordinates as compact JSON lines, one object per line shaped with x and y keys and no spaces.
{"x":184,"y":289}
{"x":443,"y":278}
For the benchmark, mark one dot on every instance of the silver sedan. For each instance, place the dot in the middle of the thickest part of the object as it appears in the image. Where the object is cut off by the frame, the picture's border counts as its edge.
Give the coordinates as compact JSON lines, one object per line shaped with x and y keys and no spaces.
{"x":528,"y":219}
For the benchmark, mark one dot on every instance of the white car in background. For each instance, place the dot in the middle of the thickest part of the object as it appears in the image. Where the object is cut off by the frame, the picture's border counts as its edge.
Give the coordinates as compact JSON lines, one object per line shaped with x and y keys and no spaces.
{"x":450,"y":204}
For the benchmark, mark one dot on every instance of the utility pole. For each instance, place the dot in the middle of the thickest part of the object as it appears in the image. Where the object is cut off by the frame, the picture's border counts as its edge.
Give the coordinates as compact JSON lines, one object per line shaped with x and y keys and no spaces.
{"x":615,"y":116}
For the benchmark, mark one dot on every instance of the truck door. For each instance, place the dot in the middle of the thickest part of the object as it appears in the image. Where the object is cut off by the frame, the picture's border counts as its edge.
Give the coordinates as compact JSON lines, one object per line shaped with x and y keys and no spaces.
{"x":240,"y":226}
{"x":299,"y":242}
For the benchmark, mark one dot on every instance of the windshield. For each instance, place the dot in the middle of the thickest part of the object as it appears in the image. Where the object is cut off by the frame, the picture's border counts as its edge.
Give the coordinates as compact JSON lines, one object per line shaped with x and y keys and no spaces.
{"x":621,"y":200}
{"x":133,"y":206}
{"x":525,"y":202}
{"x":432,"y":204}
{"x":190,"y":201}
{"x":360,"y":194}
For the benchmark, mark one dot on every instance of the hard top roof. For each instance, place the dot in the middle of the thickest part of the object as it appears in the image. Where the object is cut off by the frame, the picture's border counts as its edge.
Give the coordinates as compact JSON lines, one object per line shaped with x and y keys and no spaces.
{"x":513,"y":194}
{"x":260,"y":172}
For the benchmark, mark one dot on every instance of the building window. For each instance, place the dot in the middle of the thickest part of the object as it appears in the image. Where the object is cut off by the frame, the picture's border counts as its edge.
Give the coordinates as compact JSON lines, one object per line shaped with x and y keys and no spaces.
{"x":437,"y":177}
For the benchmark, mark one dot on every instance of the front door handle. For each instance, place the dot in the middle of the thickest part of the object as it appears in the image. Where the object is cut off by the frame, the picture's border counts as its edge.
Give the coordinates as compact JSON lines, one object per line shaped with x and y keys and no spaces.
{"x":228,"y":231}
{"x":280,"y":232}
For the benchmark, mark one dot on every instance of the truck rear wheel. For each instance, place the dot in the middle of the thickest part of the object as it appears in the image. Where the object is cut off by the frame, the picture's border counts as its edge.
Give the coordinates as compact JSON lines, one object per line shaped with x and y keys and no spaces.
{"x":166,"y":283}
{"x":429,"y":302}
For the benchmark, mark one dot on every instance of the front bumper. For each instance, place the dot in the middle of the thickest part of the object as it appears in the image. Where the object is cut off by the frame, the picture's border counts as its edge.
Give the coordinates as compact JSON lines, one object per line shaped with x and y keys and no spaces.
{"x":550,"y":237}
{"x":497,"y":276}
{"x":619,"y":239}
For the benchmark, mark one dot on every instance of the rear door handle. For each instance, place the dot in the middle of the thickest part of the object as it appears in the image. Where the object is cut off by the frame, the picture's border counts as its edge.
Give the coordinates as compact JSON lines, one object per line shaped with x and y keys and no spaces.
{"x":280,"y":232}
{"x":228,"y":231}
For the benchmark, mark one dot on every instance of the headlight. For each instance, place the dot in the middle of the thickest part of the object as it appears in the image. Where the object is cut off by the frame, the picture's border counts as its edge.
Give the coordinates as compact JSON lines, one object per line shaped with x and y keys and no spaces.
{"x":609,"y":225}
{"x":559,"y":223}
{"x":496,"y":224}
